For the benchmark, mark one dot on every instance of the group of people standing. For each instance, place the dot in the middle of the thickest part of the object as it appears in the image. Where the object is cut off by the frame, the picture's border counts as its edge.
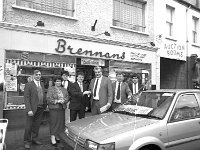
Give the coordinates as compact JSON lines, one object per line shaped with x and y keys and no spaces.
{"x":102,"y":94}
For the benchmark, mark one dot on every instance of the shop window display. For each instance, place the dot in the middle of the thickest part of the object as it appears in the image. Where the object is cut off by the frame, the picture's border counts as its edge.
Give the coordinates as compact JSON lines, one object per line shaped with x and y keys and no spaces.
{"x":130,"y":70}
{"x":19,"y":68}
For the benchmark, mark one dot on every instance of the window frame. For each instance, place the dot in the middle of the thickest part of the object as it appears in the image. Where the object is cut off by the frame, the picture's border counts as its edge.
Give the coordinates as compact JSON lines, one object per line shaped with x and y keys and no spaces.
{"x":170,"y":22}
{"x":73,"y":16}
{"x":171,"y":120}
{"x":117,"y":22}
{"x":195,"y":30}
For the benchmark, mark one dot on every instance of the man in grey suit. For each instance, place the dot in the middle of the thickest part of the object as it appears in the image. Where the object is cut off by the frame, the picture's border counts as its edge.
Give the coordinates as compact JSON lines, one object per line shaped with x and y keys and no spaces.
{"x":35,"y":102}
{"x":121,"y":91}
{"x":101,"y":92}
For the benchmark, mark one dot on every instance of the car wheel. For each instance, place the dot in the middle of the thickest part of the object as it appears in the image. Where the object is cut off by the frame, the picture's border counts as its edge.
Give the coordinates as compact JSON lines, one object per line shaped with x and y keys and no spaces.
{"x":150,"y":147}
{"x":146,"y":148}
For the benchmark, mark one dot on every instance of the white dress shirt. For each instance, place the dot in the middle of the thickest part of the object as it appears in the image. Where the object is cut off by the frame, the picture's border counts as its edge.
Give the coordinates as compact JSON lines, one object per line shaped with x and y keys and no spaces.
{"x":80,"y":85}
{"x":135,"y":88}
{"x":65,"y":84}
{"x":37,"y":83}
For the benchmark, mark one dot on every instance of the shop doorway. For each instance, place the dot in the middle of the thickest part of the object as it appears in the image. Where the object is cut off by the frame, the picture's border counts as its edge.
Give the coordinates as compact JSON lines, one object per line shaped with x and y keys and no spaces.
{"x":87,"y":67}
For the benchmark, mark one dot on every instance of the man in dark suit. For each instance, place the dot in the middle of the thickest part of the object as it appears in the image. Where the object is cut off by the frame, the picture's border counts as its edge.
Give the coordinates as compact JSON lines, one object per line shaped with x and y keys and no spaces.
{"x":121,"y":91}
{"x":135,"y":86}
{"x":67,"y":85}
{"x":79,"y":94}
{"x":35,"y":102}
{"x":101,"y":92}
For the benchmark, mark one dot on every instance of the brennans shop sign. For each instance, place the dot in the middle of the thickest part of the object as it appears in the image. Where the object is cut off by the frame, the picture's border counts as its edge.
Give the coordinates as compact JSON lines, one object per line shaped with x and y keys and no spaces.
{"x":63,"y":46}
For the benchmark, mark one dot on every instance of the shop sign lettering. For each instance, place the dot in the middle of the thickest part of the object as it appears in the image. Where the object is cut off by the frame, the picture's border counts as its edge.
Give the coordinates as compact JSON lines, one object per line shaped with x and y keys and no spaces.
{"x":92,"y":62}
{"x":137,"y":56}
{"x":174,"y":49}
{"x":62,"y":47}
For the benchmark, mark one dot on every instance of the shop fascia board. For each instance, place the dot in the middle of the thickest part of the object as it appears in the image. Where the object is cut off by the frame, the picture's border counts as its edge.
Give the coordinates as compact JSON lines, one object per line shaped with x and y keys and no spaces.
{"x":29,"y":29}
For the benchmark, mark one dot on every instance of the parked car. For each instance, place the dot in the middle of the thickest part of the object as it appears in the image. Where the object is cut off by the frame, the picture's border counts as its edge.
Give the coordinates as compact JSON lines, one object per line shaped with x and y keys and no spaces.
{"x":160,"y":120}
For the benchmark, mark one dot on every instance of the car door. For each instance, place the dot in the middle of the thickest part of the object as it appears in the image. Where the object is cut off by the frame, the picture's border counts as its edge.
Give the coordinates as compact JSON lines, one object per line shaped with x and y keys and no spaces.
{"x":184,"y":124}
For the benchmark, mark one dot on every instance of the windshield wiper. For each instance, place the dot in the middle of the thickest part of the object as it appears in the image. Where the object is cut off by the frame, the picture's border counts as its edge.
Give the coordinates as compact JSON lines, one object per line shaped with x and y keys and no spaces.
{"x":125,"y":112}
{"x":148,"y":116}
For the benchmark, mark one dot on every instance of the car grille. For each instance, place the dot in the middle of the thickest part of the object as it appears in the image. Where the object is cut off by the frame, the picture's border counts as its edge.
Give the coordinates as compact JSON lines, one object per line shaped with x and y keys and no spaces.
{"x":77,"y":139}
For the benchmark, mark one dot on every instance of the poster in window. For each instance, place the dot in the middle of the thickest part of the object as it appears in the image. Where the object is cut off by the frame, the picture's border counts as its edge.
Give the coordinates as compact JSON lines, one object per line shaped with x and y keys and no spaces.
{"x":11,"y":77}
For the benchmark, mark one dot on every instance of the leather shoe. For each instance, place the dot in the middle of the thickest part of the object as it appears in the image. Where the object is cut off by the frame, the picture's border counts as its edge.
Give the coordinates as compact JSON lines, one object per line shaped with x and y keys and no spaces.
{"x":55,"y":144}
{"x":36,"y":142}
{"x":27,"y":146}
{"x":57,"y":140}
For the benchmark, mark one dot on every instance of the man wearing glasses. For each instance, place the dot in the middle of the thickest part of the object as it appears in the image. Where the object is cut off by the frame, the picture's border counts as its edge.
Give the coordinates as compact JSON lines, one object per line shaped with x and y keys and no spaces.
{"x":35,"y":102}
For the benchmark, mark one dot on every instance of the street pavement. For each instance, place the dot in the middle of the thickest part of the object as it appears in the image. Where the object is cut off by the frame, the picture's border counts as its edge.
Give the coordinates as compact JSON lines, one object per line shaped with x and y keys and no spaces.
{"x":14,"y":138}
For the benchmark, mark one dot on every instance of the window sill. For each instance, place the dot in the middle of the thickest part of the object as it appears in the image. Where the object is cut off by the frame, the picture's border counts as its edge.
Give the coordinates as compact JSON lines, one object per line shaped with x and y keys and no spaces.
{"x":171,"y":38}
{"x":134,"y":31}
{"x":42,"y":12}
{"x":196,"y":45}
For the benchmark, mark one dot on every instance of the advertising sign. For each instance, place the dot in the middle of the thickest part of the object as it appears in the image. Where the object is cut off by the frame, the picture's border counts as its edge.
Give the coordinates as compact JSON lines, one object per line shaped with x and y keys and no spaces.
{"x":11,"y":76}
{"x":92,"y":62}
{"x":173,"y":50}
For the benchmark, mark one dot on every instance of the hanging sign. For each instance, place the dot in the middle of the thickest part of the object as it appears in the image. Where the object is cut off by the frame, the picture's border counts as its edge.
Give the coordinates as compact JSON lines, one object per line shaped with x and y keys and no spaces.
{"x":92,"y":62}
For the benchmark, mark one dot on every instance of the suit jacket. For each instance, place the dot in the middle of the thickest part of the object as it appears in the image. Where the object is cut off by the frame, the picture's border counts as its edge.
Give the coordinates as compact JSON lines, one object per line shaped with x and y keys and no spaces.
{"x":105,"y":91}
{"x":52,"y":96}
{"x":125,"y":91}
{"x":31,"y":99}
{"x":78,"y":100}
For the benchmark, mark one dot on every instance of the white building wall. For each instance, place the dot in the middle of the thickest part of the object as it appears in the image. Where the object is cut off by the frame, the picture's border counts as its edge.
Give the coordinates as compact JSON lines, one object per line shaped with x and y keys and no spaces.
{"x":179,"y":29}
{"x":86,"y":12}
{"x":1,"y":10}
{"x":193,"y":48}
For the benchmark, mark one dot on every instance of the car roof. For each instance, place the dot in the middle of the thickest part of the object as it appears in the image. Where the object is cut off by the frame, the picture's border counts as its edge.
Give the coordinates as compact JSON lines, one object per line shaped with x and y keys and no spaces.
{"x":175,"y":90}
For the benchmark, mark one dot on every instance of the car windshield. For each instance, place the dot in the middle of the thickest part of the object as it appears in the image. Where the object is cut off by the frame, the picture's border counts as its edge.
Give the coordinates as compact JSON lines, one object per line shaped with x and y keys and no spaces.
{"x":147,"y":104}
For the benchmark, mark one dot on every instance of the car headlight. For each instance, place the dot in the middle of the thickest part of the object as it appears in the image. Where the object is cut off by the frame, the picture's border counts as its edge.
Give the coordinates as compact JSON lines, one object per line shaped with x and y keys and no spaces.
{"x":66,"y":131}
{"x":91,"y":145}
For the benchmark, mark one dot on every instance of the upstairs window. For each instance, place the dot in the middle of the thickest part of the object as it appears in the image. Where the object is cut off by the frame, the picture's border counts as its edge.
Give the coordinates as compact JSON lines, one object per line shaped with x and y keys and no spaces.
{"x":195,"y":29}
{"x":61,"y":7}
{"x":129,"y":14}
{"x":170,"y":20}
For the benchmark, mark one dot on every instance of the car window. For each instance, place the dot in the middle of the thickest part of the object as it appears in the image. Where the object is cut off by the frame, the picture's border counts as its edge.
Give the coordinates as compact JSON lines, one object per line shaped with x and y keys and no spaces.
{"x":186,"y":108}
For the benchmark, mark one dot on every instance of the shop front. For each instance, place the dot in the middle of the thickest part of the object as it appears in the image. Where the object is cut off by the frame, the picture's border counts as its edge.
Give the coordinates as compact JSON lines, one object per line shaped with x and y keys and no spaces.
{"x":22,"y":52}
{"x":173,"y":64}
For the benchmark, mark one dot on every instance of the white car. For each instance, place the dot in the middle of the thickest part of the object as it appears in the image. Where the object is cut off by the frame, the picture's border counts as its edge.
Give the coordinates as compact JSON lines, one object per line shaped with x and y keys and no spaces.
{"x":160,"y":120}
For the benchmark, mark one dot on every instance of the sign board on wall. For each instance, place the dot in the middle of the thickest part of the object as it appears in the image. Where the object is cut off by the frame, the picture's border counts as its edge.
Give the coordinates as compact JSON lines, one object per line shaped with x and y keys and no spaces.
{"x":93,"y":62}
{"x":173,"y":50}
{"x":103,"y":51}
{"x":74,"y":47}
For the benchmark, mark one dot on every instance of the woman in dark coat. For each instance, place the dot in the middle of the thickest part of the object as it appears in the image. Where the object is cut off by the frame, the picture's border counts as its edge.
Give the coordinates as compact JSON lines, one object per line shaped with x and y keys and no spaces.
{"x":57,"y":97}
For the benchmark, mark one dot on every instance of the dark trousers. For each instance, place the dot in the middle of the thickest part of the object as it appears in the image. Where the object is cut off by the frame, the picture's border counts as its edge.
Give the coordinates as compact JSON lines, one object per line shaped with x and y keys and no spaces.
{"x":33,"y":125}
{"x":74,"y":113}
{"x":57,"y":121}
{"x":95,"y":108}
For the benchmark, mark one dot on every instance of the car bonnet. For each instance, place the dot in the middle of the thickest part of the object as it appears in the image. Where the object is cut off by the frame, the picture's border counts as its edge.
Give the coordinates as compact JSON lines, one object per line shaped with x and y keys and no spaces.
{"x":107,"y":125}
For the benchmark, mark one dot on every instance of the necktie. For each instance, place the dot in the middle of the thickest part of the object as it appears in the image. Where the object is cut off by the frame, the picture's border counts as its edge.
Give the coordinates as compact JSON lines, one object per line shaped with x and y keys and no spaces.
{"x":38,"y":82}
{"x":118,"y":91}
{"x":95,"y":88}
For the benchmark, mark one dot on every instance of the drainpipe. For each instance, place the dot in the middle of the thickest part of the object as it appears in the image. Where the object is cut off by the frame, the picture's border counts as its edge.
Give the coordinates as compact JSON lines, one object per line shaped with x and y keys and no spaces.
{"x":187,"y":41}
